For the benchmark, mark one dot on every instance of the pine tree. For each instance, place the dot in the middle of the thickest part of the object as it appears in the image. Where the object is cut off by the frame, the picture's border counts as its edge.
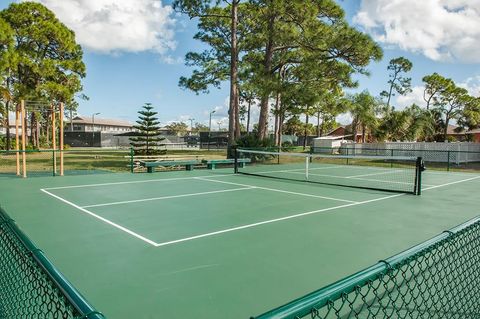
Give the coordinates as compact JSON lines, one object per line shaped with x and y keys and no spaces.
{"x":147,"y":142}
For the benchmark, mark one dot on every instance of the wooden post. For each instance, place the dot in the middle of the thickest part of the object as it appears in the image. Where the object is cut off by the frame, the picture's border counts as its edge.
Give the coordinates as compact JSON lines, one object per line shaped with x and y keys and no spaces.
{"x":61,"y":137}
{"x":24,"y":133}
{"x":17,"y":140}
{"x":54,"y":140}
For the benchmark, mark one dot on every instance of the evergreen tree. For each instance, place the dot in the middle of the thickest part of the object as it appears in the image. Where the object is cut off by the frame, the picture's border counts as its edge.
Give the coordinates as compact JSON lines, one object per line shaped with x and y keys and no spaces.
{"x":147,"y":142}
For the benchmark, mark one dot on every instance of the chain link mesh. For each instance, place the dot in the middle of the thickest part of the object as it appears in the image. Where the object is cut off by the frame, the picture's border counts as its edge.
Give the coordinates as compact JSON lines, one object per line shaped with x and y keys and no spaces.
{"x":27,"y":289}
{"x":437,"y":279}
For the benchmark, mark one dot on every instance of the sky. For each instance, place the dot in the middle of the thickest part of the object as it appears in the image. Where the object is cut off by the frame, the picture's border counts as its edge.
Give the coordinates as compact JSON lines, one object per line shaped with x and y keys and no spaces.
{"x":134,"y":52}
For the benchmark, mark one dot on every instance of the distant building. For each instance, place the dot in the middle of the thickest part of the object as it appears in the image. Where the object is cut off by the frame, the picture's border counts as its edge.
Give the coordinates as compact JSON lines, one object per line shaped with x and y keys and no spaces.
{"x":89,"y":124}
{"x":475,"y":135}
{"x":456,"y":133}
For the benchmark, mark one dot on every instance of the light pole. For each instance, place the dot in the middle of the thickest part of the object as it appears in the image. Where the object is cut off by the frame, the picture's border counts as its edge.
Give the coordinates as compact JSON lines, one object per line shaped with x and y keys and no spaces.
{"x":93,"y":127}
{"x":191,"y":125}
{"x":210,"y":128}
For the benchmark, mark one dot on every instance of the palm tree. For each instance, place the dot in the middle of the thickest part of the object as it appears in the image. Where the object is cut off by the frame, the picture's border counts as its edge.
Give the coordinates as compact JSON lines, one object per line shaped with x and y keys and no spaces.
{"x":363,"y":108}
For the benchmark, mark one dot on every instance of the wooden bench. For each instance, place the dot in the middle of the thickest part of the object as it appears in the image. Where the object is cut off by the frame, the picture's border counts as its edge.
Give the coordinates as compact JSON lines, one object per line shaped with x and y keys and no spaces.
{"x":211,"y":164}
{"x":151,"y":165}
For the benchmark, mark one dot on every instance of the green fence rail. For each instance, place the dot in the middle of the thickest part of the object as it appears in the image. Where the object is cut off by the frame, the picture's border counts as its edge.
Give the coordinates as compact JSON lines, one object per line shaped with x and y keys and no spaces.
{"x":30,"y":285}
{"x":439,"y":278}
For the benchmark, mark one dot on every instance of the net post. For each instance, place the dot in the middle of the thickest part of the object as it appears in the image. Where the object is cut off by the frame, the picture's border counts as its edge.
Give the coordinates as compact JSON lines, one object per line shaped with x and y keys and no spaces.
{"x":235,"y":159}
{"x":418,"y":176}
{"x":131,"y":159}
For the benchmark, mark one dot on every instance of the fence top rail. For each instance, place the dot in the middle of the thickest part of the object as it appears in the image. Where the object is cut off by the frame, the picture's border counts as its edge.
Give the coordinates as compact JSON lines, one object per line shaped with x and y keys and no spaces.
{"x":67,"y":289}
{"x":392,"y":149}
{"x":303,"y":306}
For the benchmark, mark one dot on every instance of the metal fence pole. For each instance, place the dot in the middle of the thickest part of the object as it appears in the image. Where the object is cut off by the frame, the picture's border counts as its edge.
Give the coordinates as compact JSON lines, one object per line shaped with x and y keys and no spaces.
{"x":131,"y":159}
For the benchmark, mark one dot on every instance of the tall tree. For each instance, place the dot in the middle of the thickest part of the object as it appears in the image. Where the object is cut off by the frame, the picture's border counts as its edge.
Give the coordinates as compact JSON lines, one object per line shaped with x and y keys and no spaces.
{"x":7,"y":64}
{"x":434,"y":85}
{"x":147,"y":142}
{"x":177,"y":128}
{"x":214,"y":17}
{"x":364,"y":108}
{"x":49,"y":64}
{"x":398,"y":83}
{"x":297,"y":33}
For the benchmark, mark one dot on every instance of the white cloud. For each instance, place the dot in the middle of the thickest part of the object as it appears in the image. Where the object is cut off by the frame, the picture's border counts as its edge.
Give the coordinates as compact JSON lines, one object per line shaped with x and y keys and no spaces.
{"x":112,"y":26}
{"x":416,"y":96}
{"x":472,"y":85}
{"x":439,"y":29}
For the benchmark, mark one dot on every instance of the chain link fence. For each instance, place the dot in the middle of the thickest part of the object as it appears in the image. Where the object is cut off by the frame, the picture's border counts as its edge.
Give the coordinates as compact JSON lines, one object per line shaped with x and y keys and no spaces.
{"x":449,"y":160}
{"x":75,"y":162}
{"x":30,"y":286}
{"x":439,"y":278}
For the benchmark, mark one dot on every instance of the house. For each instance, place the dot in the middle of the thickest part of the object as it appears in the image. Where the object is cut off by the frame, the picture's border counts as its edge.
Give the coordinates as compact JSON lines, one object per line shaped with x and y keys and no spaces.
{"x":456,"y":133}
{"x":95,"y":124}
{"x":474,"y":135}
{"x":346,"y":132}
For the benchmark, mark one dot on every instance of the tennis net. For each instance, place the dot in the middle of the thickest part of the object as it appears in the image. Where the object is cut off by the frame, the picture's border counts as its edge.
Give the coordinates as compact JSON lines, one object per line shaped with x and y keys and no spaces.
{"x":386,"y":173}
{"x":30,"y":286}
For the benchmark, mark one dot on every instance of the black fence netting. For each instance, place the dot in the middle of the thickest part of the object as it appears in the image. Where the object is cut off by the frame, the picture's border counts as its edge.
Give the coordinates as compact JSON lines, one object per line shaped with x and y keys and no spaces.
{"x":30,"y":286}
{"x":439,"y":278}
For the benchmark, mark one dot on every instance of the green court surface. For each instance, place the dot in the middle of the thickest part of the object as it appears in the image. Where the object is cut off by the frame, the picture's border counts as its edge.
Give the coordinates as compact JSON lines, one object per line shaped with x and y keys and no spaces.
{"x":212,"y":244}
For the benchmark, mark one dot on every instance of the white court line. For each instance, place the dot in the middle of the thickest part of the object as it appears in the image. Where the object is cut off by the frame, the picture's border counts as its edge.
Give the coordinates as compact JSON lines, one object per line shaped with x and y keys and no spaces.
{"x":451,"y":183}
{"x":169,"y":197}
{"x":373,"y":174}
{"x":297,"y":216}
{"x":135,"y":182}
{"x":124,"y":229}
{"x":243,"y":226}
{"x":270,"y":221}
{"x":278,"y":190}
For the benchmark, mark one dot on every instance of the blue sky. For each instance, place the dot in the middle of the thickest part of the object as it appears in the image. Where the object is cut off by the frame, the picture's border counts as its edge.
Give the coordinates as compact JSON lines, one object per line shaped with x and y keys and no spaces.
{"x":134,"y":51}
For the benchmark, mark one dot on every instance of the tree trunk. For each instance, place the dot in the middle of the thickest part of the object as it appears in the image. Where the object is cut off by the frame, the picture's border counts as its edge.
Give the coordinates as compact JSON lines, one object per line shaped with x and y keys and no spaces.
{"x":445,"y":130}
{"x":363,"y":133}
{"x":71,"y":120}
{"x":354,"y":129}
{"x":7,"y":124}
{"x":277,"y":110}
{"x":318,"y":124}
{"x":281,"y":119}
{"x":37,"y":132}
{"x":248,"y":115}
{"x":305,"y":132}
{"x":233,"y":105}
{"x":267,"y":64}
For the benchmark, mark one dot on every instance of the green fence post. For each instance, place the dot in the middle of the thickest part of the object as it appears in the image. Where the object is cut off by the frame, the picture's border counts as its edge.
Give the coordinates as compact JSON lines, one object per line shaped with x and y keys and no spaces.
{"x":131,"y":159}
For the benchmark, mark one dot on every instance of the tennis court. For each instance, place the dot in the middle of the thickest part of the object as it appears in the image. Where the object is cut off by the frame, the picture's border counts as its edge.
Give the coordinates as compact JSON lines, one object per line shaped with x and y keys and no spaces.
{"x":213,"y":244}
